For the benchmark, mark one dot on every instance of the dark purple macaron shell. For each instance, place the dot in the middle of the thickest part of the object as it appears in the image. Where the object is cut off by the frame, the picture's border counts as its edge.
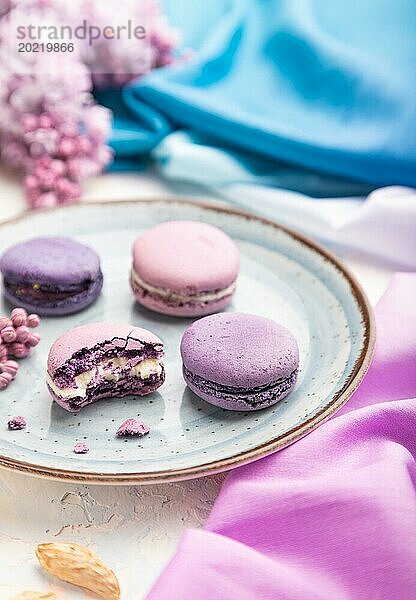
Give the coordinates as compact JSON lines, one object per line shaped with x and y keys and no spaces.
{"x":51,"y":275}
{"x":239,"y":361}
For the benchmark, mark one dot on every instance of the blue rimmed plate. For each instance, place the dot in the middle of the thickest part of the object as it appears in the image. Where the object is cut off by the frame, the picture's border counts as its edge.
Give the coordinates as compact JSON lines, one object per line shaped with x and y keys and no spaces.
{"x":284,"y":276}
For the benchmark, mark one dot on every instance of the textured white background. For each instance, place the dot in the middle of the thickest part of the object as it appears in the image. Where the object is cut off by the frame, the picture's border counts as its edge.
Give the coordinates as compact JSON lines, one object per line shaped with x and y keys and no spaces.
{"x":134,"y":529}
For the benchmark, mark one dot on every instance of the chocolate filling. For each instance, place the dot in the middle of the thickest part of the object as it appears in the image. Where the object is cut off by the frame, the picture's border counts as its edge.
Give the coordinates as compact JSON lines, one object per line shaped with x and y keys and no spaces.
{"x":43,"y":294}
{"x":263,"y":394}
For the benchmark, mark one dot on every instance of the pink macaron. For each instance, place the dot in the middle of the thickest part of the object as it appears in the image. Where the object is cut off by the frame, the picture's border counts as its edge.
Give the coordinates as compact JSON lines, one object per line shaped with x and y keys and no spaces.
{"x":184,"y":268}
{"x":103,"y":360}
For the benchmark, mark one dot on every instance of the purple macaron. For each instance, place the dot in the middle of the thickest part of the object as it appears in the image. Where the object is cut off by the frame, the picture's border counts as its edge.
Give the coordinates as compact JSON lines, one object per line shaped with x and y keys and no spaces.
{"x":51,"y":275}
{"x":239,"y":361}
{"x":103,"y":360}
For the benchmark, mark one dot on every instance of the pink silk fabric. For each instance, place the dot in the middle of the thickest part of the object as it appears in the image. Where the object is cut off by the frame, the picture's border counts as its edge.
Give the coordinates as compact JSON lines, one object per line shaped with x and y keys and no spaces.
{"x":332,"y":517}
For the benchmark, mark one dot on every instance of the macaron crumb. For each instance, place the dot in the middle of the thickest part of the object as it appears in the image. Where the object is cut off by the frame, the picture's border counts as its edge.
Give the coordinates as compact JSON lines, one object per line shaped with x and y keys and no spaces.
{"x":81,"y":448}
{"x":132,"y":427}
{"x":16,"y":423}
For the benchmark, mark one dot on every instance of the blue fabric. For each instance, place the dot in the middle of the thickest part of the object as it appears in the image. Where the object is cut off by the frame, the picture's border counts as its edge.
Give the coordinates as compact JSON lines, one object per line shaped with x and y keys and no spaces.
{"x":323,"y":86}
{"x":185,"y":156}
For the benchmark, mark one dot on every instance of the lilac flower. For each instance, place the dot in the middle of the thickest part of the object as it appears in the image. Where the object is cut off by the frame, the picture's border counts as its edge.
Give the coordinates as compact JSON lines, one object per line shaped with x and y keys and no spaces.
{"x":117,"y":61}
{"x":16,"y":340}
{"x":6,"y":6}
{"x":50,"y":127}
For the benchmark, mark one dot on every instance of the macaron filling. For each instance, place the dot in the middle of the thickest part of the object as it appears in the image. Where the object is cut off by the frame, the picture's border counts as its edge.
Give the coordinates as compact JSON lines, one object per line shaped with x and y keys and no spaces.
{"x":49,"y":295}
{"x":263,"y":395}
{"x":176,"y":299}
{"x":113,"y":368}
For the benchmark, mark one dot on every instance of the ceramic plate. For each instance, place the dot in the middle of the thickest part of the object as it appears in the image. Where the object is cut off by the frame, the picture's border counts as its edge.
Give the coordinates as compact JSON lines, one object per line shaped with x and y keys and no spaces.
{"x":283,"y":276}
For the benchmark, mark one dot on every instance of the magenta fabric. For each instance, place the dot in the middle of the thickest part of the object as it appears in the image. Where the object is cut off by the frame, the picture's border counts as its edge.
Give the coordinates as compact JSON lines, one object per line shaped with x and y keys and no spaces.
{"x":332,"y":517}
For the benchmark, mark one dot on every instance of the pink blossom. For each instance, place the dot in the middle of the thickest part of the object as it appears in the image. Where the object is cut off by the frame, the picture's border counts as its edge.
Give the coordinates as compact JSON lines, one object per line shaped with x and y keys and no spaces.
{"x":16,"y":339}
{"x":51,"y":129}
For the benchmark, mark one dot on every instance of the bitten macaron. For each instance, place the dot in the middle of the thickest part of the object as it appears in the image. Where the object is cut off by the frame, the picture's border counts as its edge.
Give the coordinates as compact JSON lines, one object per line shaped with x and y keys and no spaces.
{"x":51,"y":275}
{"x":102,"y":360}
{"x":184,"y":268}
{"x":239,"y":361}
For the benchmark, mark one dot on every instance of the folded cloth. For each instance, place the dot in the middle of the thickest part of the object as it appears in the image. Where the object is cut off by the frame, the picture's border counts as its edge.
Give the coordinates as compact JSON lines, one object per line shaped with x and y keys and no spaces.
{"x":186,"y":156}
{"x":328,"y":87}
{"x":334,"y":515}
{"x":382,"y":225}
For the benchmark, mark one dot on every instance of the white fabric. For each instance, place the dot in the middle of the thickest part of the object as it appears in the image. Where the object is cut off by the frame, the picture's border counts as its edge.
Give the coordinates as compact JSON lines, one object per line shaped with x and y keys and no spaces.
{"x":383,"y":225}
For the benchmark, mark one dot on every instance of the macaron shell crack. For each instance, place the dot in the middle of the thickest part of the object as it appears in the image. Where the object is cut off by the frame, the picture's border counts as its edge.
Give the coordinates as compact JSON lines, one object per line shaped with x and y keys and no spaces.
{"x":103,"y":365}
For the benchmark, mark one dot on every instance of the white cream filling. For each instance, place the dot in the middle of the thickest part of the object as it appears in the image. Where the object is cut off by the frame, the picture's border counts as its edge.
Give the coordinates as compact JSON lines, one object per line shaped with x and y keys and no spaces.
{"x":181,"y":297}
{"x":143,"y":370}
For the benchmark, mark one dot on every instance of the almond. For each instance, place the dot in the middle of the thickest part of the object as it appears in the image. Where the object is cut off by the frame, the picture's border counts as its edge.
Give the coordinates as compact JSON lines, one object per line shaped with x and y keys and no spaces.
{"x":78,"y":565}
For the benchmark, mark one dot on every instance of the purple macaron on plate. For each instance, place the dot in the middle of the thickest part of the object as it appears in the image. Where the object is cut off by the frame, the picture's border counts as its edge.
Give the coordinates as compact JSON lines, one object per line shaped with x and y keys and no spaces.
{"x":283,"y":278}
{"x":51,"y":275}
{"x":239,"y":361}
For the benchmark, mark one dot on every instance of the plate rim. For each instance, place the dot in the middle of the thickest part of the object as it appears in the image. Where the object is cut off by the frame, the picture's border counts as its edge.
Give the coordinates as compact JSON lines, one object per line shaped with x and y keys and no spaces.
{"x":262,"y":450}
